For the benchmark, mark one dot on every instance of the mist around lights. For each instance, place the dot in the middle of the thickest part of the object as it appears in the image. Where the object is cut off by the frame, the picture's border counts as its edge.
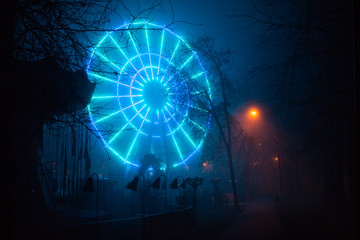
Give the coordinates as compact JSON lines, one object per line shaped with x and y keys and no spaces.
{"x":137,"y":107}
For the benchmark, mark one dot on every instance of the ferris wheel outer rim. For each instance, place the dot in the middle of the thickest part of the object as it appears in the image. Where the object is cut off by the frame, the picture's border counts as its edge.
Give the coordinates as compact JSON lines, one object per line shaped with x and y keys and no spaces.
{"x":198,"y":61}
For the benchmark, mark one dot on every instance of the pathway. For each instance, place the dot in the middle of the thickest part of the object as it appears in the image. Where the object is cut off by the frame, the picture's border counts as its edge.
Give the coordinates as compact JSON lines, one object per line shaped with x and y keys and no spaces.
{"x":257,"y":221}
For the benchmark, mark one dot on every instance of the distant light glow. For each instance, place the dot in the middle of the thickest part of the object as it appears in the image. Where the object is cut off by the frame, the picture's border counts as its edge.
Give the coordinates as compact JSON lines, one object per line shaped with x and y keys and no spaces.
{"x":136,"y":107}
{"x":253,"y":113}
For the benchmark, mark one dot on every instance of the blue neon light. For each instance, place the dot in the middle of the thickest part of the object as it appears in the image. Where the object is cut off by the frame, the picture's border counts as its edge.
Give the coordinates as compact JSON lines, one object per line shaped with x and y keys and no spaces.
{"x":138,"y":69}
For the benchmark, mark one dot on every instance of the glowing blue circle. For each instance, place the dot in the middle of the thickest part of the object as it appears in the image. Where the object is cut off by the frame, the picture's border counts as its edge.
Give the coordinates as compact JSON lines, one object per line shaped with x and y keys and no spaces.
{"x":142,"y":98}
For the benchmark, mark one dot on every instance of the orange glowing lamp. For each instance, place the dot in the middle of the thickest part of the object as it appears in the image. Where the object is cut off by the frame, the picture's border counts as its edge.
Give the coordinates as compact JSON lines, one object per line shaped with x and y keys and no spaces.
{"x":253,"y":113}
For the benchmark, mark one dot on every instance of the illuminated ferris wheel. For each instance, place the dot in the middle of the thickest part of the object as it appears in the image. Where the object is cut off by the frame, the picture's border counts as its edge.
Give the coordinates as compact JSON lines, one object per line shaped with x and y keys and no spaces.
{"x":143,"y":101}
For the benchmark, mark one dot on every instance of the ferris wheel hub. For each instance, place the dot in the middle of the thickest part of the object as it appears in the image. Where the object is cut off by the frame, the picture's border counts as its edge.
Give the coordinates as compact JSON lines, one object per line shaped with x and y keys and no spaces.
{"x":155,"y":95}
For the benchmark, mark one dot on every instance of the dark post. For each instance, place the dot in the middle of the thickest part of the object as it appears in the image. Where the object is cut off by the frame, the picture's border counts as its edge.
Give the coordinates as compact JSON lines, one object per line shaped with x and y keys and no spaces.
{"x":175,"y":185}
{"x":143,"y":227}
{"x":156,"y":185}
{"x":89,"y":187}
{"x":279,"y":169}
{"x":133,"y":186}
{"x":195,"y":210}
{"x":215,"y":182}
{"x":195,"y":182}
{"x":143,"y":201}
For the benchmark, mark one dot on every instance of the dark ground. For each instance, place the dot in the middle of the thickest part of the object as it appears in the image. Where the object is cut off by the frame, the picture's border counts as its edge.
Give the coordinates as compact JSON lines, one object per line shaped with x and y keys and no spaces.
{"x":211,"y":224}
{"x":316,"y":221}
{"x":266,"y":219}
{"x":258,"y":220}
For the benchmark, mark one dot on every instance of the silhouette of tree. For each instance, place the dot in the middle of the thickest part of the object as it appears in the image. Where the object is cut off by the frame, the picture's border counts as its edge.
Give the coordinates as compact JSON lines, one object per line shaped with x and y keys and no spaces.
{"x":311,"y":85}
{"x":225,"y":130}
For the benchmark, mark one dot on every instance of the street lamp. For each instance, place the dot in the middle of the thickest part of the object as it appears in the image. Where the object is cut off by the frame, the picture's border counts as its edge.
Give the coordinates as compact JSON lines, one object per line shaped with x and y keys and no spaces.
{"x":194,"y":182}
{"x":254,"y":114}
{"x":215,"y":182}
{"x":89,"y":187}
{"x":277,"y":159}
{"x":183,"y":184}
{"x":133,"y":186}
{"x":156,"y":185}
{"x":175,"y":183}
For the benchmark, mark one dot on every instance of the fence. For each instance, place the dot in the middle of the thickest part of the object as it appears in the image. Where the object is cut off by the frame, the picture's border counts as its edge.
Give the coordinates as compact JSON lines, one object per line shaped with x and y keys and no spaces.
{"x":157,"y":226}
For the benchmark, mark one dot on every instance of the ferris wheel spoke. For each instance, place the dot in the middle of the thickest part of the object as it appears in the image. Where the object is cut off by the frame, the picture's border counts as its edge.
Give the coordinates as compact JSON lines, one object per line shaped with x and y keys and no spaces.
{"x":148,"y":47}
{"x":184,"y":160}
{"x":179,"y":125}
{"x":117,"y":134}
{"x":102,"y":77}
{"x":172,"y":135}
{"x":109,"y":62}
{"x":190,"y":120}
{"x":137,"y":52}
{"x":197,"y":75}
{"x":113,"y":81}
{"x":137,"y":134}
{"x":129,"y":60}
{"x":132,"y":87}
{"x":191,"y":106}
{"x":192,"y":77}
{"x":170,"y":61}
{"x":161,"y":47}
{"x":117,"y":154}
{"x":134,"y":79}
{"x":177,"y":83}
{"x":118,"y":96}
{"x":170,"y":106}
{"x":121,"y":110}
{"x":197,"y":125}
{"x":158,"y":116}
{"x":178,"y":70}
{"x":195,"y":93}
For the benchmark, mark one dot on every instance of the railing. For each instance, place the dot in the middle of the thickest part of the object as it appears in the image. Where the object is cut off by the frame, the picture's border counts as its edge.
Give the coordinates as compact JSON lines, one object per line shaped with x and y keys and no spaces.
{"x":157,"y":226}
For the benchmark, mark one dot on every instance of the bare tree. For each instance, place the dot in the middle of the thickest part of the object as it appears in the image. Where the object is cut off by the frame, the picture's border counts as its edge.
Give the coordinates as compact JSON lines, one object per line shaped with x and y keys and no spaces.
{"x":311,"y":81}
{"x":48,"y":48}
{"x":216,"y":103}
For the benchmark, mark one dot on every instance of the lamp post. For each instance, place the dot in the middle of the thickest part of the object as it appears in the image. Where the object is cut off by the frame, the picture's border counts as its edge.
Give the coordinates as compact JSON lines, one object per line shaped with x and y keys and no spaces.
{"x":133,"y":186}
{"x":215,"y":182}
{"x":194,"y":182}
{"x":254,"y":115}
{"x":277,"y":159}
{"x":156,"y":185}
{"x":183,"y":184}
{"x":89,"y":187}
{"x":175,"y":185}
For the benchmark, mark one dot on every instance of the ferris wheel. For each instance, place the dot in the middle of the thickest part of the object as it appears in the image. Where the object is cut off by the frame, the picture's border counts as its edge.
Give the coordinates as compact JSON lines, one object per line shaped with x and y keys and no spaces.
{"x":143,"y":102}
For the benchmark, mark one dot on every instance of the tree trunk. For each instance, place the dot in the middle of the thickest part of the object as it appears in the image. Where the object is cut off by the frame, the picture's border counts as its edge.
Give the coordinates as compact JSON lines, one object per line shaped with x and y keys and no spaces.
{"x":233,"y":183}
